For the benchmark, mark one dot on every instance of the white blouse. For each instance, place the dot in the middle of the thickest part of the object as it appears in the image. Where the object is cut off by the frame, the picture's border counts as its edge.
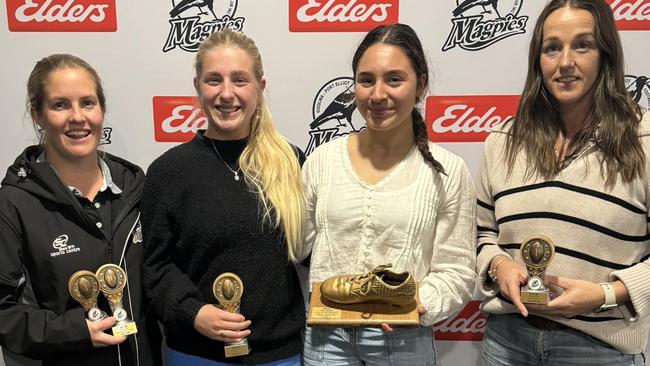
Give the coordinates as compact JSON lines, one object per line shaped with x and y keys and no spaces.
{"x":419,"y":220}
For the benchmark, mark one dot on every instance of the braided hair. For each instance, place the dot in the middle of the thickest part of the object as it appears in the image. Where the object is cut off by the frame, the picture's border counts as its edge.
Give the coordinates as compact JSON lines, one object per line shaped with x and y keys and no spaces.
{"x":404,"y":37}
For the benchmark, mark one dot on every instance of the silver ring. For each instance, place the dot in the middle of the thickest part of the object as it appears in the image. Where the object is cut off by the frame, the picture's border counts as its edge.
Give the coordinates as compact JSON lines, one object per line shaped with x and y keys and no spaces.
{"x":221,"y":333}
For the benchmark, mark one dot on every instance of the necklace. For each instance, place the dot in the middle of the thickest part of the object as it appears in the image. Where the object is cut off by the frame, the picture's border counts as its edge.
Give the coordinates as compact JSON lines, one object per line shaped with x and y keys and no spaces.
{"x":235,"y":172}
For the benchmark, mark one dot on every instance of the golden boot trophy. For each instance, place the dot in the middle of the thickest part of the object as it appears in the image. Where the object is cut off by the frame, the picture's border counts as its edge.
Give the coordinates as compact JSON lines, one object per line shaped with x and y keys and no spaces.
{"x":112,"y":280}
{"x":536,"y":252}
{"x":83,"y":286}
{"x":228,"y":289}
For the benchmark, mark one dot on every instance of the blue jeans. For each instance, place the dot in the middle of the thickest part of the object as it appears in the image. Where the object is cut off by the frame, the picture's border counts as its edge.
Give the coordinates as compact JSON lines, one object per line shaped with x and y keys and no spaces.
{"x":369,"y":346}
{"x":175,"y":358}
{"x":510,"y":341}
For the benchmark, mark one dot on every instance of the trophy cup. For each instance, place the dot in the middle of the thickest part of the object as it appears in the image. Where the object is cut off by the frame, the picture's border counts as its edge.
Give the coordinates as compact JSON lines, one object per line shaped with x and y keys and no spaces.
{"x":83,"y":286}
{"x":112,"y":280}
{"x":537,"y":252}
{"x":228,"y":289}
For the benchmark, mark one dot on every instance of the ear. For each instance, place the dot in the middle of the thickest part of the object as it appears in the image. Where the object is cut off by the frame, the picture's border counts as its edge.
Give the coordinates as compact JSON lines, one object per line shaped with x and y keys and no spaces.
{"x":262,"y":85}
{"x":196,"y":84}
{"x":36,"y":117}
{"x":422,"y":82}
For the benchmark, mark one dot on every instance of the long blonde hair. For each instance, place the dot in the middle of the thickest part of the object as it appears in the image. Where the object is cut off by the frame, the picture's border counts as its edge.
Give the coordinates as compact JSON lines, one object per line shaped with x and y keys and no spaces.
{"x":269,"y":162}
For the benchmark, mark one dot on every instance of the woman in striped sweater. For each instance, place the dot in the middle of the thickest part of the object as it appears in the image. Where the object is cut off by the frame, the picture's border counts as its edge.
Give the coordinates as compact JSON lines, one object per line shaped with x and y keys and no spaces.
{"x":572,"y":166}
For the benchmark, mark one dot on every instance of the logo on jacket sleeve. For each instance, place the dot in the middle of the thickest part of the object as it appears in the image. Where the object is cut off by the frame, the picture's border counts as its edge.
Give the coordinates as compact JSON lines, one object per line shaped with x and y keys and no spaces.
{"x":137,"y":233}
{"x":477,"y":24}
{"x":61,"y":246}
{"x":61,"y":15}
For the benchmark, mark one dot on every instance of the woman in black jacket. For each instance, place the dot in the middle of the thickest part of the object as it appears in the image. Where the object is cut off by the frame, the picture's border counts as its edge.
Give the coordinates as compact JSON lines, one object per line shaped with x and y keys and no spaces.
{"x":65,"y":207}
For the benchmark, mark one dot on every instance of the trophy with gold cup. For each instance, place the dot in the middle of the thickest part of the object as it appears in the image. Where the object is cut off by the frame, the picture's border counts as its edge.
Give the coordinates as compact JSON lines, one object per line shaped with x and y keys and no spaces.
{"x":228,"y":289}
{"x":536,"y":252}
{"x":112,"y":280}
{"x":83,"y":286}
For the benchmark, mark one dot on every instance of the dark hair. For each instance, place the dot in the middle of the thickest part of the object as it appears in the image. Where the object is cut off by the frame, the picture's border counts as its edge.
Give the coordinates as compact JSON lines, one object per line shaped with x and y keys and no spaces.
{"x":613,"y":112}
{"x":404,"y":37}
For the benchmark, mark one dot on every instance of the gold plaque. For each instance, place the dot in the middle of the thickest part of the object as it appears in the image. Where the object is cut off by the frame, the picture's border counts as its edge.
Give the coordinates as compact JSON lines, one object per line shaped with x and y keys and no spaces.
{"x":83,"y":286}
{"x":537,"y":252}
{"x":228,"y":289}
{"x":112,"y":280}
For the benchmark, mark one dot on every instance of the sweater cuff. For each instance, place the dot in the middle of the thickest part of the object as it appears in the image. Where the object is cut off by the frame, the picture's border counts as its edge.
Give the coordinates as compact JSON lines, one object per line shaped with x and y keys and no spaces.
{"x":188,"y":310}
{"x":483,"y":261}
{"x":635,"y":280}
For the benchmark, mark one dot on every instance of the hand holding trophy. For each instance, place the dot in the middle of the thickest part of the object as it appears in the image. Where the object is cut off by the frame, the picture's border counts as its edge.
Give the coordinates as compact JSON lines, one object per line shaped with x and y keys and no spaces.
{"x":112,"y":280}
{"x":83,"y":286}
{"x":536,"y":252}
{"x":228,"y":289}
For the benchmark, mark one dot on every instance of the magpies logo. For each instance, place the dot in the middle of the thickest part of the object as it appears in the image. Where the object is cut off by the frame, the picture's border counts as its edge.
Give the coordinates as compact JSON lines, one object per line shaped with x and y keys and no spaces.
{"x":333,"y":112}
{"x":106,"y":136}
{"x":192,"y":21}
{"x":477,"y":24}
{"x":639,"y":89}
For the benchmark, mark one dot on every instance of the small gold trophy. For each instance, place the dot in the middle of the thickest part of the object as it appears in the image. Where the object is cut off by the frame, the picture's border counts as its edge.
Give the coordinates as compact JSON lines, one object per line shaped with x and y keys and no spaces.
{"x":84,"y":287}
{"x":112,"y":280}
{"x":228,"y":289}
{"x":537,"y":252}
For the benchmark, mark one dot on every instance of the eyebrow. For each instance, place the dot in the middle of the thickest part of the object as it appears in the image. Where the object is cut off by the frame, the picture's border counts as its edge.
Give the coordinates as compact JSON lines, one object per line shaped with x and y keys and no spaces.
{"x":580,"y":35}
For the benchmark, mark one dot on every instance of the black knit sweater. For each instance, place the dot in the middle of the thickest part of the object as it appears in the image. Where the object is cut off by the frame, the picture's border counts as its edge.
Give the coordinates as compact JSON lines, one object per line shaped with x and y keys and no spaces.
{"x":198,"y":222}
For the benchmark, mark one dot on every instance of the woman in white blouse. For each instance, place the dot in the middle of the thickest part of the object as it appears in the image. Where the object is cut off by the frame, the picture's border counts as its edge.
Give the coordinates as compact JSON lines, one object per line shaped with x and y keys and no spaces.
{"x":388,"y":195}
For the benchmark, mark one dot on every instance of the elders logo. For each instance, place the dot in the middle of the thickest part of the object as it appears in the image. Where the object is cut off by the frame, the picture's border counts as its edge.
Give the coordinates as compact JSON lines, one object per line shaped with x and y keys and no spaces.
{"x":631,"y":14}
{"x":639,"y":89}
{"x":341,"y":15}
{"x":467,"y":118}
{"x":468,"y":325}
{"x":332,"y":113}
{"x":61,"y":15}
{"x":192,"y":21}
{"x":478,"y":24}
{"x":176,"y":119}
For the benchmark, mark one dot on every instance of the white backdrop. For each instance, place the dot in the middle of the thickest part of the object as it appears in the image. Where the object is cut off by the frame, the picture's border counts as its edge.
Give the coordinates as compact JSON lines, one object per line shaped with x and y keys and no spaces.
{"x":144,"y":55}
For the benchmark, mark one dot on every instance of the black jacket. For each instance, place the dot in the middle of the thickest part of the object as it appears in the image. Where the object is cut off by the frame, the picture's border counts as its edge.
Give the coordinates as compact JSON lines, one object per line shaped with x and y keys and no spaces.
{"x":45,"y":236}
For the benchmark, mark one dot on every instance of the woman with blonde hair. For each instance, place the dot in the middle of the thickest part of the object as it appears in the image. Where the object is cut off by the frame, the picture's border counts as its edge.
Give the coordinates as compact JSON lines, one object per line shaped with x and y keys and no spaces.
{"x":229,"y":200}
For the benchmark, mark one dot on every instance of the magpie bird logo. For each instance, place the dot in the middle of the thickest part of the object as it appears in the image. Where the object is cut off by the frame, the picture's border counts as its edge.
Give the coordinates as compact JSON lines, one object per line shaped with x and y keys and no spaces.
{"x":192,"y":21}
{"x":106,"y":136}
{"x":639,"y":89}
{"x":333,"y":112}
{"x":477,"y":24}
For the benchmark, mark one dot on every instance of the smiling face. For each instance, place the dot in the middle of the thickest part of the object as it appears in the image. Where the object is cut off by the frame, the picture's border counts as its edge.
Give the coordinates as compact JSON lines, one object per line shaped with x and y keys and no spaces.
{"x":71,"y":116}
{"x":386,"y":87}
{"x":570,"y":58}
{"x":228,"y":92}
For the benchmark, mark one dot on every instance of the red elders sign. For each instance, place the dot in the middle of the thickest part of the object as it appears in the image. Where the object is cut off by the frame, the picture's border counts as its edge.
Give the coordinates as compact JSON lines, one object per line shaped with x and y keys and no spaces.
{"x":467,"y":118}
{"x":176,"y":119}
{"x":341,"y":15}
{"x":468,"y":325}
{"x":61,"y":15}
{"x":631,"y":14}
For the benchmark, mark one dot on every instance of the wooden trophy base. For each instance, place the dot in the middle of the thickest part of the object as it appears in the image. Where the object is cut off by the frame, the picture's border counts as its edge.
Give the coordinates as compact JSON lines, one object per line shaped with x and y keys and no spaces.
{"x":323,"y":312}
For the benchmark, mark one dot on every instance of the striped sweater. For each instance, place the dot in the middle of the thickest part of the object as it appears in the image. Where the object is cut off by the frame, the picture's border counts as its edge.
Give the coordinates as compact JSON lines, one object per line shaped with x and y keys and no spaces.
{"x":600,"y":234}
